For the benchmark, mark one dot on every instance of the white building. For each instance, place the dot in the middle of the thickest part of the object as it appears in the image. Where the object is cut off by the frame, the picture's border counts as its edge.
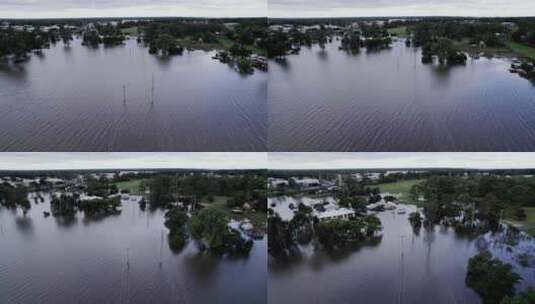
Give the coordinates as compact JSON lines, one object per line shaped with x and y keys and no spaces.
{"x":277,"y":182}
{"x":337,"y":213}
{"x":306,"y":182}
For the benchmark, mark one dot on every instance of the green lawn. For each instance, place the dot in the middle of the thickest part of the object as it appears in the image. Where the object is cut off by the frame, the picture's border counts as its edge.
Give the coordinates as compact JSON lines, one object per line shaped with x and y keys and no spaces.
{"x":221,"y":44}
{"x":400,"y":31}
{"x":131,"y":185}
{"x":522,"y":49}
{"x":403,"y":187}
{"x":220,"y":202}
{"x":132,"y":31}
{"x":528,"y":224}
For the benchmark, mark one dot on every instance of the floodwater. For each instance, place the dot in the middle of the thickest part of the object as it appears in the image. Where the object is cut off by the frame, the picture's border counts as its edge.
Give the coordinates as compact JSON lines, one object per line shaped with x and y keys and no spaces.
{"x":46,"y":260}
{"x":72,"y":99}
{"x":388,"y":100}
{"x":401,"y":267}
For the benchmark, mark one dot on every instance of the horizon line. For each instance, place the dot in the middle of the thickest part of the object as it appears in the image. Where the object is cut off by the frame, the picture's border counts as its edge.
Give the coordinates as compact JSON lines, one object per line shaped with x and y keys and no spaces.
{"x":265,"y":17}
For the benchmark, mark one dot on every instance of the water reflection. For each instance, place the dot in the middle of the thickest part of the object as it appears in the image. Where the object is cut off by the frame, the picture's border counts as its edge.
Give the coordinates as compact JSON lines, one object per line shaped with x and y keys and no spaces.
{"x":388,"y":100}
{"x":401,"y":266}
{"x":199,"y":103}
{"x":116,"y":259}
{"x":24,"y":225}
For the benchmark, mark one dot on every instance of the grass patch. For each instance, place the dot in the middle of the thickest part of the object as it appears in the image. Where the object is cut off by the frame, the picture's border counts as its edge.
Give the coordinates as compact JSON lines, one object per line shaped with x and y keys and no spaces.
{"x":522,"y":49}
{"x":528,"y":224}
{"x":132,"y":31}
{"x":132,"y":186}
{"x":400,"y":31}
{"x":220,"y":202}
{"x":402,"y":187}
{"x":221,"y":44}
{"x":530,"y":212}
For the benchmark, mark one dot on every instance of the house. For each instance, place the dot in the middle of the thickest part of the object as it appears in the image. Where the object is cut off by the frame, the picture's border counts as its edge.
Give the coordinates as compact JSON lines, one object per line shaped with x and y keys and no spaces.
{"x":306,"y":182}
{"x":509,"y":25}
{"x":231,"y":25}
{"x":275,"y":183}
{"x":338,"y":213}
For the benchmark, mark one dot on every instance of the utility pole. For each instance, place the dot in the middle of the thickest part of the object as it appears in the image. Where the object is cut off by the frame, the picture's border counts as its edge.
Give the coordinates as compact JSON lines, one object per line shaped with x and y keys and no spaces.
{"x":152,"y":90}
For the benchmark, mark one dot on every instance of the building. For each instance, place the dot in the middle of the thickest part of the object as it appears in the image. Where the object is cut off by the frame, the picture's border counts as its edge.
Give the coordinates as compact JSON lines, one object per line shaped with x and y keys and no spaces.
{"x":275,"y":183}
{"x":306,"y":182}
{"x":338,"y":214}
{"x":285,"y":28}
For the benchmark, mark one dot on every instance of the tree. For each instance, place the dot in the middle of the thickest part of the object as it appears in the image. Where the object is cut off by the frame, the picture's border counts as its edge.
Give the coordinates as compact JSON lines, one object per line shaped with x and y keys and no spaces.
{"x":490,"y":278}
{"x":280,"y":240}
{"x":210,"y":225}
{"x":176,"y":220}
{"x":525,"y":297}
{"x":415,"y":219}
{"x":165,"y":43}
{"x":237,"y":50}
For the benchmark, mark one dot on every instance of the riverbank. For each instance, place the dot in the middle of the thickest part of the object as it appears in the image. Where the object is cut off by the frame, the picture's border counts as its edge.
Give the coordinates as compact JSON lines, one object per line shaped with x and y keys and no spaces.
{"x":522,"y":49}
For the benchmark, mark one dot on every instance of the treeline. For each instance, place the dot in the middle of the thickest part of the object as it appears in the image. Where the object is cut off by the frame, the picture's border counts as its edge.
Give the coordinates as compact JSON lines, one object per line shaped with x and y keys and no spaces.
{"x":189,"y":189}
{"x":68,"y":205}
{"x":106,"y":34}
{"x":210,"y":229}
{"x":475,"y":203}
{"x":429,"y":31}
{"x":161,"y":36}
{"x":14,"y":197}
{"x":19,"y":43}
{"x":525,"y":32}
{"x":102,"y":186}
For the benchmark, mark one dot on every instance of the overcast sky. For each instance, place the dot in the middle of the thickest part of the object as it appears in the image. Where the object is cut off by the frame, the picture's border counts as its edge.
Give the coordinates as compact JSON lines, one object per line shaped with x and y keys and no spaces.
{"x":358,"y":8}
{"x":400,"y":160}
{"x":207,"y":160}
{"x":131,"y":8}
{"x":204,"y":160}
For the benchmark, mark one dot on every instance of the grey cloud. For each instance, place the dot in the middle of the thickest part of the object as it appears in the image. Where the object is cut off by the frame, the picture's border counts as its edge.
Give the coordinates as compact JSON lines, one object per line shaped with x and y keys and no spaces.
{"x":400,"y":160}
{"x":90,"y":8}
{"x":83,"y":160}
{"x":310,"y":8}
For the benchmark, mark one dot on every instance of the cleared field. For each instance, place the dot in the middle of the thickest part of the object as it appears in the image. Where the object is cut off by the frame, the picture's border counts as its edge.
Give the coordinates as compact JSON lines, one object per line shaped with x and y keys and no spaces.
{"x":220,"y":202}
{"x":130,"y":30}
{"x":522,"y":50}
{"x":132,"y":185}
{"x":402,"y":187}
{"x":528,"y":224}
{"x":221,"y":44}
{"x":398,"y":31}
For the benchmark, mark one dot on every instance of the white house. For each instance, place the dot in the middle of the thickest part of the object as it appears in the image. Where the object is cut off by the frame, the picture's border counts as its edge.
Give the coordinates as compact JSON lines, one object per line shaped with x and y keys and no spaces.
{"x":277,"y":182}
{"x":306,"y":182}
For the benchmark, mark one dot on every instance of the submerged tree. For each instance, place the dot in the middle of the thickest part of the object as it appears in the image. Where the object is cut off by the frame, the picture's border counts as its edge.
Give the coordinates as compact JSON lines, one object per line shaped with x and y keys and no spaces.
{"x":210,"y":226}
{"x":176,"y":221}
{"x":490,"y":278}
